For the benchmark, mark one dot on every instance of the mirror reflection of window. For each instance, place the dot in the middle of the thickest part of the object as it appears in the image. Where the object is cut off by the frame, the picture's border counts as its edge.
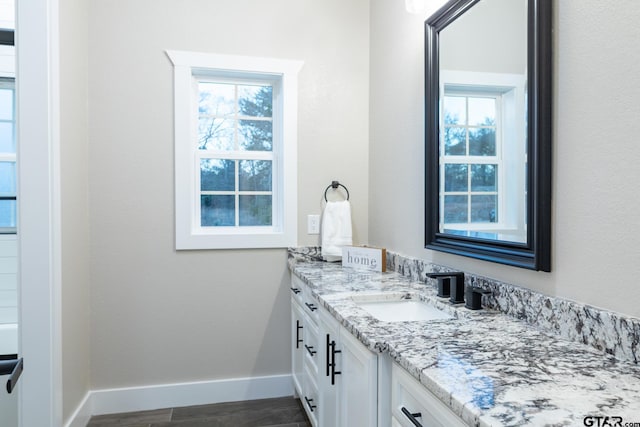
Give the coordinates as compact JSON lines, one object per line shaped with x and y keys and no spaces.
{"x":483,"y":155}
{"x":471,"y":163}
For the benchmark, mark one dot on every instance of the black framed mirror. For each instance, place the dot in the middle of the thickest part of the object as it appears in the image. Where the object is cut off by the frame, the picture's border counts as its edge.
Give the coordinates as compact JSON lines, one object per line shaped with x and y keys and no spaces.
{"x":488,"y":131}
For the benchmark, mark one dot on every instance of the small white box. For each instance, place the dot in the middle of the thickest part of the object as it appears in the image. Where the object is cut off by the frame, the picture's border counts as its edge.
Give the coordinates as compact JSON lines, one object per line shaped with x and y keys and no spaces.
{"x":363,"y":257}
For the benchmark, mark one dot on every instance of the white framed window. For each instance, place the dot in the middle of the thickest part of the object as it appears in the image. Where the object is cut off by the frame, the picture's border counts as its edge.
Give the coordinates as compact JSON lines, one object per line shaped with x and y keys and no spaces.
{"x":483,"y":160}
{"x":235,"y":151}
{"x":8,"y":177}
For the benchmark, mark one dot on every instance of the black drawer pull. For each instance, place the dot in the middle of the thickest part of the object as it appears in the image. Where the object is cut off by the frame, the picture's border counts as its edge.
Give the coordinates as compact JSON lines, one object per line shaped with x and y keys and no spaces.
{"x":298,"y":327}
{"x":412,"y":416}
{"x":310,"y":350}
{"x":311,"y":306}
{"x":311,"y":406}
{"x":295,"y":290}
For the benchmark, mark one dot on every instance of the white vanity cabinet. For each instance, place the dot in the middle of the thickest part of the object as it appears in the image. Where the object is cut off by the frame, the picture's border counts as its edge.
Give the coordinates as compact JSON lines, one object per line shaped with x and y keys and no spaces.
{"x":297,"y":346}
{"x":412,"y":405}
{"x":343,"y":384}
{"x":348,"y":379}
{"x":358,"y":385}
{"x":329,"y":375}
{"x":305,"y":348}
{"x":335,"y":376}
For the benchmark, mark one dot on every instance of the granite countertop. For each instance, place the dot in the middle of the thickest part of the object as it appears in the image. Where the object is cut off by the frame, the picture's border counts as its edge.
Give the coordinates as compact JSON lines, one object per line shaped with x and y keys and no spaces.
{"x":489,"y":368}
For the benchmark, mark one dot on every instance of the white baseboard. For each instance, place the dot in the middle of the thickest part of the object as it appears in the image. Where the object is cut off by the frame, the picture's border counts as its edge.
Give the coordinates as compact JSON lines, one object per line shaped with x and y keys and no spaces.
{"x":82,"y":414}
{"x":110,"y":401}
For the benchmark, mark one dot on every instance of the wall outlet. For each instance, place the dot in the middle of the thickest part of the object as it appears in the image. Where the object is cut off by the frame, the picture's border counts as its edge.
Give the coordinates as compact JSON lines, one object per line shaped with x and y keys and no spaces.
{"x":313,"y":224}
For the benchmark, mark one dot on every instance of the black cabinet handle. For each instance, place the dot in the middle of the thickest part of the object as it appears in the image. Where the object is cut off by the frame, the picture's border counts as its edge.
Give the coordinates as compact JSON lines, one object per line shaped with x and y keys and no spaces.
{"x":311,"y":306}
{"x":328,"y":348}
{"x":14,"y":368}
{"x":310,"y":350}
{"x":295,"y":290}
{"x":298,"y":327}
{"x":412,"y":416}
{"x":333,"y":363}
{"x":331,"y":359}
{"x":311,"y":406}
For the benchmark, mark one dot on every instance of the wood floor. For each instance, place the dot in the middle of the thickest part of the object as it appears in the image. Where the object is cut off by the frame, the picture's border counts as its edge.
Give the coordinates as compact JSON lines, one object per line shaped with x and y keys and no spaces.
{"x":279,"y":412}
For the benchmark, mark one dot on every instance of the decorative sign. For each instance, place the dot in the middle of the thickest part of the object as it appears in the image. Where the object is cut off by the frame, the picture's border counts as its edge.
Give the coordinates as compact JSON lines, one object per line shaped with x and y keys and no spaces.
{"x":363,"y":257}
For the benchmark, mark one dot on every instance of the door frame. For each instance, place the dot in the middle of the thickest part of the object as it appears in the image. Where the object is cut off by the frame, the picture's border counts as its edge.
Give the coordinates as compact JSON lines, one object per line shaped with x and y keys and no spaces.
{"x":39,"y":244}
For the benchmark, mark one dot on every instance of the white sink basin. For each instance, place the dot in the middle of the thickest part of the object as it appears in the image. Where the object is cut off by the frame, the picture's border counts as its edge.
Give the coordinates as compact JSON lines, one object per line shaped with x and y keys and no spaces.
{"x":402,"y":310}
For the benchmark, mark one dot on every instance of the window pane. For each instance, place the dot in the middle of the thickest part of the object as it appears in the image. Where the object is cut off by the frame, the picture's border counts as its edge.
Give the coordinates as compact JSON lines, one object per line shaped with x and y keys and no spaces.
{"x":482,"y":142}
{"x":483,"y":177}
{"x":255,"y":175}
{"x":217,"y":99}
{"x":217,"y":211}
{"x":455,"y":110}
{"x":215,"y":134}
{"x":7,"y":213}
{"x":455,"y":141}
{"x":217,"y":175}
{"x":256,"y":135}
{"x":455,"y":209}
{"x":255,"y":210}
{"x":482,"y":111}
{"x":256,"y":101}
{"x":455,"y":177}
{"x":484,"y":208}
{"x":7,"y":179}
{"x":7,"y":142}
{"x":6,"y":104}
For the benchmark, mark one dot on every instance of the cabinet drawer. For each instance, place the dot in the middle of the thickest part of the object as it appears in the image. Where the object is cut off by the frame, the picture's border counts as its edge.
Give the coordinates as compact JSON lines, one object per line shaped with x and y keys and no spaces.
{"x":311,"y":348}
{"x":311,"y":397}
{"x":303,"y":294}
{"x":395,"y":422}
{"x":298,"y":289}
{"x":409,"y":398}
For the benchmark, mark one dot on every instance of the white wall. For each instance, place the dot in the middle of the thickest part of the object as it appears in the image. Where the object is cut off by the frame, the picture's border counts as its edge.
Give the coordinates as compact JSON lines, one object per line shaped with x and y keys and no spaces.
{"x":161,"y":316}
{"x":595,"y":171}
{"x":490,"y":37}
{"x":74,"y":183}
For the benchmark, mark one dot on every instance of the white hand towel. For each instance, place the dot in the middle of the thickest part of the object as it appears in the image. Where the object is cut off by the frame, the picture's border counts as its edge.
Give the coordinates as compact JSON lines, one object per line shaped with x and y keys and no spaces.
{"x":336,"y":229}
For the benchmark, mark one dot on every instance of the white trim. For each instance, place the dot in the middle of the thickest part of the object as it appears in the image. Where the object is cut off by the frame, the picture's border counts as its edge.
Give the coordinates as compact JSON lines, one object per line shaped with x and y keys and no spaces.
{"x":38,"y":100}
{"x":129,"y":399}
{"x":82,"y":414}
{"x":284,"y":74}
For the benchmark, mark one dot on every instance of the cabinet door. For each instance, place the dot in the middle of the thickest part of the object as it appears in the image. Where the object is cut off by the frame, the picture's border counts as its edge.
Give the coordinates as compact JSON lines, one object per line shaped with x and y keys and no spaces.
{"x":297,"y":344}
{"x":329,"y":333}
{"x":358,"y":383}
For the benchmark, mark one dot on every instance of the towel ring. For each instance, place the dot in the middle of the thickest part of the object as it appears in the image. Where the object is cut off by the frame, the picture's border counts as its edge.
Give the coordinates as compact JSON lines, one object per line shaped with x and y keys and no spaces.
{"x":334,"y":185}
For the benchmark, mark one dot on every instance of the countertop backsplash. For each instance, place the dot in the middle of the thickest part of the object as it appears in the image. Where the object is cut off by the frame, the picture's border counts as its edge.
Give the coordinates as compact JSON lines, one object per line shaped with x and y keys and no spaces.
{"x":609,"y":332}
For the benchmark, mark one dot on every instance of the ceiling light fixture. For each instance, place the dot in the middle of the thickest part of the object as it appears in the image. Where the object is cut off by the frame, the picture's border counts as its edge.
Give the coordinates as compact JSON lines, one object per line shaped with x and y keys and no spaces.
{"x":416,"y":6}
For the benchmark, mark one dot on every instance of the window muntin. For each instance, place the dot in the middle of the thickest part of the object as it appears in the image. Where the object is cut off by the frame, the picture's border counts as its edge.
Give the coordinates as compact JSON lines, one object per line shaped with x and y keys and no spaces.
{"x":235,"y":152}
{"x":8,"y":187}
